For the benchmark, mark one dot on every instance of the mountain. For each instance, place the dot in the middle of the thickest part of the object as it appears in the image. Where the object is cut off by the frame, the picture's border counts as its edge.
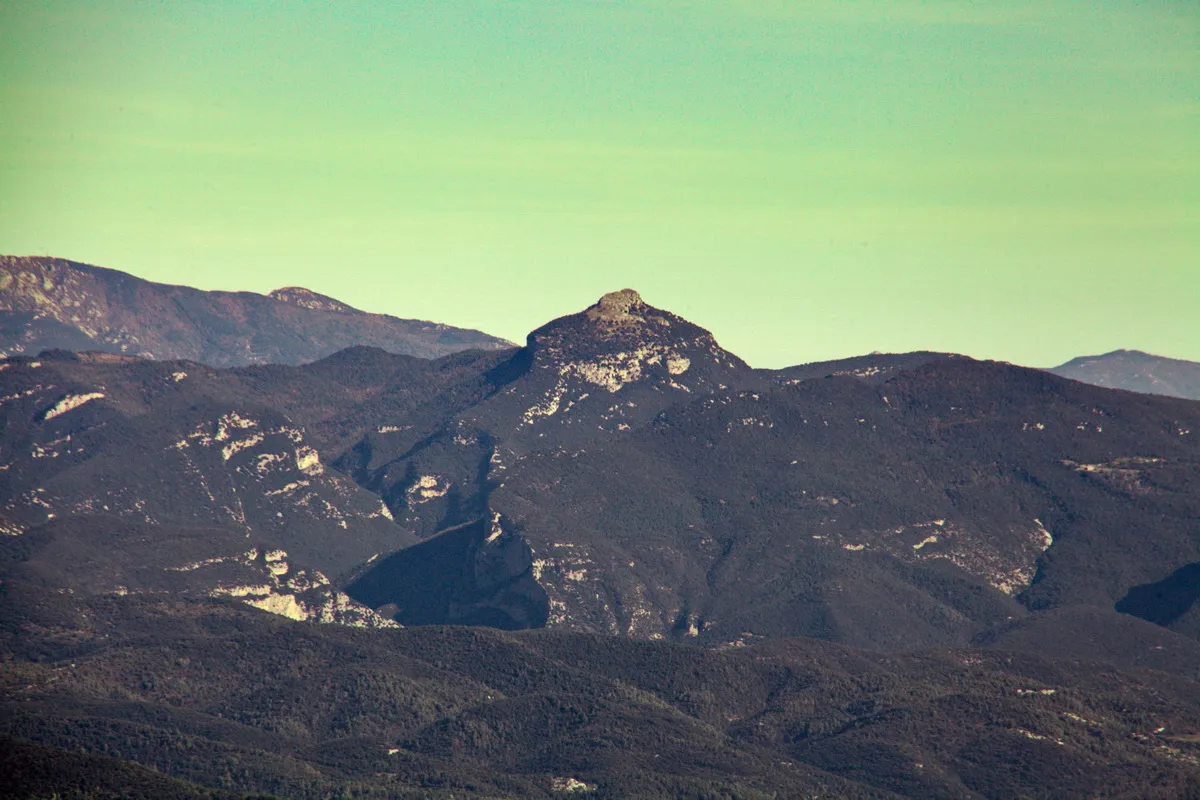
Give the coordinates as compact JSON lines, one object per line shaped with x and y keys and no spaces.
{"x":922,"y":510}
{"x":170,"y":442}
{"x":49,"y":303}
{"x":97,"y":440}
{"x":590,"y":376}
{"x":177,"y":698}
{"x":622,"y":473}
{"x":1136,"y":371}
{"x":899,"y":575}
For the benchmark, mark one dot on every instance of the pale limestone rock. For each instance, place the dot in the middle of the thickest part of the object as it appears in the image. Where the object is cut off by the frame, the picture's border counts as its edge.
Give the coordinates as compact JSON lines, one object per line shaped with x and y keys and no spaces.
{"x":71,"y":402}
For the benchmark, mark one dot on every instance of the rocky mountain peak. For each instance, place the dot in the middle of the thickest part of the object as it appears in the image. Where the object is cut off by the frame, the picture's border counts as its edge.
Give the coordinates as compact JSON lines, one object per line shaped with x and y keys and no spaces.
{"x":622,"y":340}
{"x":567,"y":375}
{"x":618,"y":321}
{"x":307,"y":298}
{"x":622,"y":327}
{"x":617,"y":307}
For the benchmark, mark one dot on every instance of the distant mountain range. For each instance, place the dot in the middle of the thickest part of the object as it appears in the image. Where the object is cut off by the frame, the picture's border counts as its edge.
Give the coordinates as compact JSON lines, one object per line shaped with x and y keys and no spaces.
{"x":50,"y":303}
{"x":1001,"y":564}
{"x":55,"y":304}
{"x":1136,"y":371}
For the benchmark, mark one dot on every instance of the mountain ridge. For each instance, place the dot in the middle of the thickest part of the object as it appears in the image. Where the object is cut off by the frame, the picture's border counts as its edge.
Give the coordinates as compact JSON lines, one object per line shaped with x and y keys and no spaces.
{"x":1136,"y":371}
{"x":48,"y":303}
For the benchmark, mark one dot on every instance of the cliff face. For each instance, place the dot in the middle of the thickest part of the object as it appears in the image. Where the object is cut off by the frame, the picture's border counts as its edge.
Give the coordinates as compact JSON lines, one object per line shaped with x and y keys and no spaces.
{"x":48,"y":303}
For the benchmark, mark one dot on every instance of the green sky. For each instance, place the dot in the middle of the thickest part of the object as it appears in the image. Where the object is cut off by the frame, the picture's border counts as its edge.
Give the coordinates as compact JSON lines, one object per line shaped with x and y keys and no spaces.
{"x":1012,"y":179}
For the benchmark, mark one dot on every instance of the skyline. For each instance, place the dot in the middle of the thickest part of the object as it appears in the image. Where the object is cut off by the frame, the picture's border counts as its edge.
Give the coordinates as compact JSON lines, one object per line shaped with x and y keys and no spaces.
{"x":1018,"y":183}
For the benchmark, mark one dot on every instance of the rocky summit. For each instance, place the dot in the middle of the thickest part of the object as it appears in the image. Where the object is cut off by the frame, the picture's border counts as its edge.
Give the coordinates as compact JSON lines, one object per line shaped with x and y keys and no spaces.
{"x":615,"y":308}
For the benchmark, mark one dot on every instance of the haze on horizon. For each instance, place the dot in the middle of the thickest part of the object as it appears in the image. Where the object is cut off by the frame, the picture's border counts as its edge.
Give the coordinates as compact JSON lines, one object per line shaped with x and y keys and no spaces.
{"x":1015,"y":180}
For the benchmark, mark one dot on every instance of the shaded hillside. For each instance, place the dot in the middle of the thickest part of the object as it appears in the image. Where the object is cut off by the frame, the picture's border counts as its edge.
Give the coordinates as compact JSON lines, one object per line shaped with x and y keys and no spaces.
{"x":239,"y":701}
{"x":919,"y":510}
{"x":1136,"y":371}
{"x":122,"y":472}
{"x":33,"y":770}
{"x":90,"y":556}
{"x":1170,"y":602}
{"x":48,"y":303}
{"x":176,"y":443}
